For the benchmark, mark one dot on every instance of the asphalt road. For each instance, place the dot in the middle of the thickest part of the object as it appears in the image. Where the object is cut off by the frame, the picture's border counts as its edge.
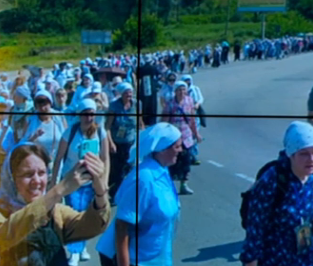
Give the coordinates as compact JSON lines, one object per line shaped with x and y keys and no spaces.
{"x":234,"y":149}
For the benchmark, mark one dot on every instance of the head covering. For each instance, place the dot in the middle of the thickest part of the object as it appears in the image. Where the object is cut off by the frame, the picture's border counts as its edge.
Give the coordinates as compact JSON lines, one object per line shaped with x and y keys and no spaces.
{"x":156,"y":138}
{"x":96,"y":87}
{"x":87,"y":104}
{"x":117,"y":79}
{"x":148,"y":58}
{"x":179,"y":84}
{"x":298,"y":136}
{"x":10,"y":200}
{"x":124,"y":86}
{"x":23,"y":91}
{"x":186,"y":77}
{"x":44,"y":93}
{"x":89,"y":76}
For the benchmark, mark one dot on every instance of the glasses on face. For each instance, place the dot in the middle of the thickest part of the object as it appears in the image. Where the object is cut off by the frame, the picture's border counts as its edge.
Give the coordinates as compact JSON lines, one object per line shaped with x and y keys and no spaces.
{"x":172,"y":80}
{"x":42,"y":102}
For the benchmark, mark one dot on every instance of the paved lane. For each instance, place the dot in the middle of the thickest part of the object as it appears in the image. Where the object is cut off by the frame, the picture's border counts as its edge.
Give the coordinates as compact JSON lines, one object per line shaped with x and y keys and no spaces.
{"x":209,"y":232}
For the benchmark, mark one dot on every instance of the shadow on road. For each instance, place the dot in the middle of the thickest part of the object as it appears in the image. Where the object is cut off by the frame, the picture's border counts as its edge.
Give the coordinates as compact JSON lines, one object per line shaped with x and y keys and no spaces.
{"x":226,"y":251}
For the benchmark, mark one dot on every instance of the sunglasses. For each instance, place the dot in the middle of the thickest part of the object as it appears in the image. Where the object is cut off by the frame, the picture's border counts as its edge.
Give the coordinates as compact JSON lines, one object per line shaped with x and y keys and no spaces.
{"x":172,"y":80}
{"x":42,"y":102}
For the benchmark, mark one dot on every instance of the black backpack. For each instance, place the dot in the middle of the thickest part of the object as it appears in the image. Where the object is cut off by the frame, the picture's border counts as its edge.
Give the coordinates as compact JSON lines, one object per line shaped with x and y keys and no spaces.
{"x":282,"y":186}
{"x":74,"y":129}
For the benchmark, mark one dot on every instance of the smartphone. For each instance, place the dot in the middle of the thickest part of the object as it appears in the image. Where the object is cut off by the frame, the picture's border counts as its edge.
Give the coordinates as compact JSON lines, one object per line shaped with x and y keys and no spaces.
{"x":89,"y":145}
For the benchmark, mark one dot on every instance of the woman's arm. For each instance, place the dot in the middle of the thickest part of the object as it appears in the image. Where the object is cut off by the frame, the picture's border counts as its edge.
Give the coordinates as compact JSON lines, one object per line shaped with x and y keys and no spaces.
{"x":105,"y":157}
{"x":108,"y":125}
{"x":122,"y":243}
{"x":57,"y":162}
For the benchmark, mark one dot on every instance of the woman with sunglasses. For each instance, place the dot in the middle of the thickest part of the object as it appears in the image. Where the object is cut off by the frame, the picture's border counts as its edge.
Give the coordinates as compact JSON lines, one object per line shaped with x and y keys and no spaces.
{"x":70,"y":151}
{"x":167,"y":90}
{"x":45,"y":128}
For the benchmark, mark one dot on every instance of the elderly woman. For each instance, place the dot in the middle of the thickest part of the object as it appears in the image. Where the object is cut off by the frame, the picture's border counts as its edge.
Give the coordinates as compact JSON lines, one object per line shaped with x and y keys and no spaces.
{"x":22,"y":104}
{"x":121,"y":128}
{"x":158,"y":203}
{"x":45,"y":128}
{"x":70,"y":152}
{"x":176,"y":112}
{"x":279,"y":232}
{"x":33,"y":225}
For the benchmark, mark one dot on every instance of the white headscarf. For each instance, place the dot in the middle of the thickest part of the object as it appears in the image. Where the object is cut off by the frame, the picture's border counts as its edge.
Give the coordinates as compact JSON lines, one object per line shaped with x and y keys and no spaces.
{"x":87,"y":104}
{"x":298,"y":136}
{"x":156,"y":138}
{"x":10,"y":200}
{"x":124,"y":86}
{"x":179,"y":84}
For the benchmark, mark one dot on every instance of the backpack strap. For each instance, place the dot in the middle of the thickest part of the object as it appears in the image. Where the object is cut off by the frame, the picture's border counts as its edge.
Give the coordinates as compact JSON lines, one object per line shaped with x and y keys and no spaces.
{"x":70,"y":139}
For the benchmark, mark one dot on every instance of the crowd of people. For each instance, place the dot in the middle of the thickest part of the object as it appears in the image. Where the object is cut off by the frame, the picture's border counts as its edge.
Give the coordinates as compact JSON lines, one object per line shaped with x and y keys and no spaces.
{"x":68,"y":151}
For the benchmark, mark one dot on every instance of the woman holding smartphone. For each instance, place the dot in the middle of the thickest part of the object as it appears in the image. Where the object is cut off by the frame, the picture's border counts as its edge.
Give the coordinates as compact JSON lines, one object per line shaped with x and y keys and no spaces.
{"x":82,"y":137}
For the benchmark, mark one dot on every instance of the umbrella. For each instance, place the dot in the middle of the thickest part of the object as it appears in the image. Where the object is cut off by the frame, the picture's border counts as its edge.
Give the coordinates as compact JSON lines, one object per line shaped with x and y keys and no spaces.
{"x":110,"y":73}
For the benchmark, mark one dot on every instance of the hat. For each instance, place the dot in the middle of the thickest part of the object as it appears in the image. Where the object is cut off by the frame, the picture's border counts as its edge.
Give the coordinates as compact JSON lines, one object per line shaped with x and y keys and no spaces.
{"x":117,"y":79}
{"x":124,"y":86}
{"x":179,"y":84}
{"x":148,"y":58}
{"x":298,"y":136}
{"x":23,"y":91}
{"x":96,"y":87}
{"x":49,"y":79}
{"x":89,"y":76}
{"x":44,"y":93}
{"x":86,"y":104}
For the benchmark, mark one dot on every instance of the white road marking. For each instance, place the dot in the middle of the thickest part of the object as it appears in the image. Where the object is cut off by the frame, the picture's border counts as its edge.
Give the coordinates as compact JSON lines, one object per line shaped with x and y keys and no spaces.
{"x":215,"y":164}
{"x":250,"y":179}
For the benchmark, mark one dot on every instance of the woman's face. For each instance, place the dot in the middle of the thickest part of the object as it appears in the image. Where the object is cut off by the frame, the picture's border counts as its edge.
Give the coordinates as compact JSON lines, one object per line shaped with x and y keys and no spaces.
{"x":171,"y":80}
{"x":169,"y":156}
{"x":181,"y":92}
{"x":31,"y":178}
{"x":18,"y":99}
{"x":87,"y":119}
{"x":43,"y":104}
{"x":61,"y":97}
{"x":86,"y":82}
{"x":127,"y":95}
{"x":302,"y":162}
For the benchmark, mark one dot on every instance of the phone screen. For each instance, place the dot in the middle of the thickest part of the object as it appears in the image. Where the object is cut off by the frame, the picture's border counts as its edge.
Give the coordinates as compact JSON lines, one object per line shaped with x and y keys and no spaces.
{"x":89,"y":145}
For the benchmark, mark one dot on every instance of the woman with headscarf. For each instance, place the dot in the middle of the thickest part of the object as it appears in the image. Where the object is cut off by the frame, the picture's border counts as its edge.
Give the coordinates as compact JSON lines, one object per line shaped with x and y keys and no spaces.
{"x":20,"y":80}
{"x":274,"y":231}
{"x":176,"y":112}
{"x":195,"y":93}
{"x":84,"y":133}
{"x":82,"y":89}
{"x":121,"y":128}
{"x":22,"y":104}
{"x":45,"y":128}
{"x":101,"y":100}
{"x":158,"y":202}
{"x":33,"y":225}
{"x":167,"y":90}
{"x":6,"y":133}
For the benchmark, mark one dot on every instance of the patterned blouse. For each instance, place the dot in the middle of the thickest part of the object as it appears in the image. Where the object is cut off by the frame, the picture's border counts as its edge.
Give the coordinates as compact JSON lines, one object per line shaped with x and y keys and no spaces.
{"x":173,"y":108}
{"x":271,"y":238}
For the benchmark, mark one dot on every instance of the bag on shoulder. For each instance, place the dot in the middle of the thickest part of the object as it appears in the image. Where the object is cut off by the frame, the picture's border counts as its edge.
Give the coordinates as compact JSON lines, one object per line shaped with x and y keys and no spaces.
{"x":282,"y":186}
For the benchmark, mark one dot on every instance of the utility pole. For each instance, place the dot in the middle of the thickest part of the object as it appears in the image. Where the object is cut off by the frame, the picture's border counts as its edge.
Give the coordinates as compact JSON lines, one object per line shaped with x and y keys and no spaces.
{"x":263,"y":25}
{"x":227,"y":19}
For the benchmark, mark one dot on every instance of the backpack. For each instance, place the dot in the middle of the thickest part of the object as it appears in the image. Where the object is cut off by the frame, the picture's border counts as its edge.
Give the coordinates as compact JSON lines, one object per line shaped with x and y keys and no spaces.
{"x":74,"y":129}
{"x":281,"y":189}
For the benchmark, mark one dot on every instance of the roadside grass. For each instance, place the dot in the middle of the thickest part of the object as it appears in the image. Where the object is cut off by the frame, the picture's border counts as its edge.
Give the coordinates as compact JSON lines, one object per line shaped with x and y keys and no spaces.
{"x":45,"y":50}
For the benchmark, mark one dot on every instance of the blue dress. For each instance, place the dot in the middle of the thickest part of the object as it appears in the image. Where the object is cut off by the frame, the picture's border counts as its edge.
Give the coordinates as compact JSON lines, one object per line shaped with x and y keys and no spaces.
{"x":271,"y":238}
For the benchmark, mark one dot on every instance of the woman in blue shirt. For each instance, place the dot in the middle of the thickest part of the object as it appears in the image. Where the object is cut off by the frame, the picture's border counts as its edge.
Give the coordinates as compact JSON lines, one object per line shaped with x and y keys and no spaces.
{"x":158,"y":204}
{"x":280,"y":234}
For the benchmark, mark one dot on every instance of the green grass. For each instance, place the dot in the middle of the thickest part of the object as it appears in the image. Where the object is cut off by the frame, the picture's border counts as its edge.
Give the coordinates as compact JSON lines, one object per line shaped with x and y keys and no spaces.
{"x":46,"y":50}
